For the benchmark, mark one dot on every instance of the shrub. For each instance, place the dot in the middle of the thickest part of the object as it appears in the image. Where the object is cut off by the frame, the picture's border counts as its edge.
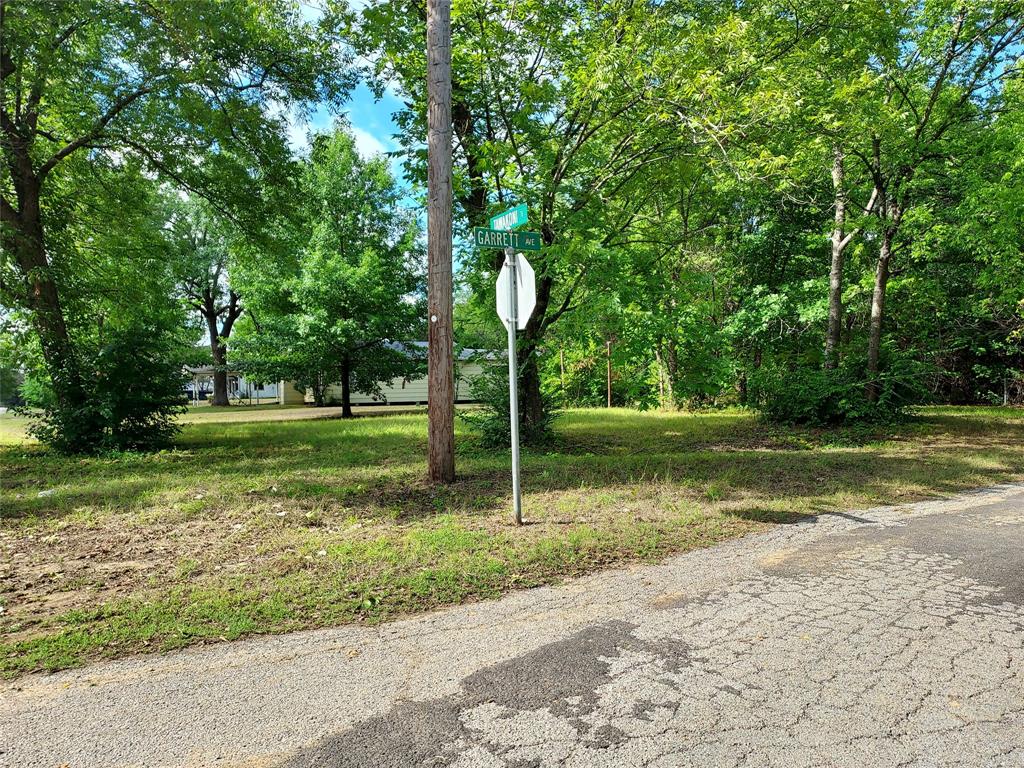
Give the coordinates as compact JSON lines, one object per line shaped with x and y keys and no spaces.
{"x":492,"y":418}
{"x":135,"y":383}
{"x":819,"y":397}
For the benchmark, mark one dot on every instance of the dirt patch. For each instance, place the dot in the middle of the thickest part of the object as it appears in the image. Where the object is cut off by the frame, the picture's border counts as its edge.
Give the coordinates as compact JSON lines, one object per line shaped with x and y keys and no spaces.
{"x":48,"y":573}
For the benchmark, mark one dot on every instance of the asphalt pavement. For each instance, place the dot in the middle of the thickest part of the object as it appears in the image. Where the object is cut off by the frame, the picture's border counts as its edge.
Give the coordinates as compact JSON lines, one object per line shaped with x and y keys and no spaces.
{"x":886,"y":637}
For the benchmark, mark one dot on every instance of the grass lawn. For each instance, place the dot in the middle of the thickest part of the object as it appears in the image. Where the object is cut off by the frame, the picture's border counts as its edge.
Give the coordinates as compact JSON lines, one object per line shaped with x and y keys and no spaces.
{"x":266,"y":521}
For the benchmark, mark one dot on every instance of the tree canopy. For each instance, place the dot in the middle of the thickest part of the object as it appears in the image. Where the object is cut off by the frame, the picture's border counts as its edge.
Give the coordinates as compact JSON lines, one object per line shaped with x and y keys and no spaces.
{"x":99,"y":94}
{"x":338,"y":303}
{"x":811,"y":208}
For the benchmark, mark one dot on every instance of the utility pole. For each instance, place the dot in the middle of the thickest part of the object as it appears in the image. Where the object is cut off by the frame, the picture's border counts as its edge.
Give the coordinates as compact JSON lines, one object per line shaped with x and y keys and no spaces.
{"x":440,"y":366}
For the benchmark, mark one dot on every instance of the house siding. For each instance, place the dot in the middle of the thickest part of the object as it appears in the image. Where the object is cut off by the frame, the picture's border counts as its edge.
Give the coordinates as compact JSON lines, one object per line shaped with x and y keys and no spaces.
{"x":411,"y":392}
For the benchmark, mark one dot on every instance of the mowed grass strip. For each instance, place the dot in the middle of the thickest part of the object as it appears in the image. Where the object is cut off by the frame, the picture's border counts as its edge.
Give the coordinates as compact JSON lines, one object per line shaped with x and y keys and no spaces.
{"x":269,"y":525}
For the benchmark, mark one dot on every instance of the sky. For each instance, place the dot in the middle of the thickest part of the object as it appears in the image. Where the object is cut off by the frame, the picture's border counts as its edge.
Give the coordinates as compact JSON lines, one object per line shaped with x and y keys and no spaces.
{"x":372,"y":126}
{"x":371,"y":121}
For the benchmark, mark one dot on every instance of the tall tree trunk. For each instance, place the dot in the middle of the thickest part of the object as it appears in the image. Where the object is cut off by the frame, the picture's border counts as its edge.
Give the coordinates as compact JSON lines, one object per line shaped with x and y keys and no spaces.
{"x":661,"y":375}
{"x":608,"y":371}
{"x":878,"y":310}
{"x":220,"y":374}
{"x":24,"y":238}
{"x":671,"y":371}
{"x":835,"y":277}
{"x":55,"y":340}
{"x":218,"y":351}
{"x":561,"y":370}
{"x":531,"y":402}
{"x":319,"y":388}
{"x":208,"y":308}
{"x":346,"y":390}
{"x":440,"y":362}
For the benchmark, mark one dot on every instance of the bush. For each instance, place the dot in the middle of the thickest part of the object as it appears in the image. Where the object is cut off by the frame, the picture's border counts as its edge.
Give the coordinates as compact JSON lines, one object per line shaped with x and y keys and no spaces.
{"x":492,"y":419}
{"x":10,"y":386}
{"x":818,"y":397}
{"x":135,"y":383}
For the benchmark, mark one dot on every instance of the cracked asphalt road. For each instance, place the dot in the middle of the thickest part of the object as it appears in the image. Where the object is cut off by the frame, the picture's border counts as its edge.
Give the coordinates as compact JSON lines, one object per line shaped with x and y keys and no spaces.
{"x":890,"y":637}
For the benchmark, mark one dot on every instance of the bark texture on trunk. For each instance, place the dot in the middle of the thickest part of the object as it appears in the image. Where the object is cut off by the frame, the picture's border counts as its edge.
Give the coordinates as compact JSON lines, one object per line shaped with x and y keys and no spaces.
{"x":440,"y":365}
{"x":55,"y":340}
{"x":37,"y":291}
{"x":878,"y":310}
{"x":319,"y":387}
{"x":346,"y":390}
{"x":891,"y":207}
{"x":531,"y":403}
{"x":220,"y":375}
{"x":671,"y":371}
{"x":207,"y":305}
{"x":608,"y":371}
{"x":835,"y":277}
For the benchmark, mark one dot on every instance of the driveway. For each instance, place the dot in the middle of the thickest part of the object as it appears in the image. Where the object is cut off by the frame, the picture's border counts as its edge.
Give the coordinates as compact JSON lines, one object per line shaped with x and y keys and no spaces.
{"x":878,"y":638}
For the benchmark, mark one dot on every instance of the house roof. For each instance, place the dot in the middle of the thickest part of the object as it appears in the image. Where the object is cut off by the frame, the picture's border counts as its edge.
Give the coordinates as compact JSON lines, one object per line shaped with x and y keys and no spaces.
{"x":208,"y":370}
{"x":462,"y":354}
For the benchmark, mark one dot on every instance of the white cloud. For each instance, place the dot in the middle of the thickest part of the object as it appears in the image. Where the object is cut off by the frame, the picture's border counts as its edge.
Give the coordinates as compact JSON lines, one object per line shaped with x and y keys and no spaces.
{"x":298,"y":135}
{"x":311,"y":12}
{"x":367,"y":144}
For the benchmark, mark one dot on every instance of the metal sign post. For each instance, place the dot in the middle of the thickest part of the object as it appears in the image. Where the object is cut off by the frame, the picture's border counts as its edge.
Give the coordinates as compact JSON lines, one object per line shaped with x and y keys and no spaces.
{"x":513,"y":379}
{"x":515,"y":298}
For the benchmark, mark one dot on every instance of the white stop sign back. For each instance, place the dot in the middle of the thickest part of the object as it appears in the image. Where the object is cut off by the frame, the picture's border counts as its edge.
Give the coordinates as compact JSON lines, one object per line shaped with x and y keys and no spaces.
{"x":526,"y":292}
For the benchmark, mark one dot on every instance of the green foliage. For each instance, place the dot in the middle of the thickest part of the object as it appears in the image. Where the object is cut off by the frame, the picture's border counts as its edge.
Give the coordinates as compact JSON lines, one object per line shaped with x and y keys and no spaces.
{"x":135,"y":395}
{"x":821,"y":397}
{"x":103,"y":104}
{"x":334,"y":300}
{"x":10,"y":385}
{"x":492,"y":419}
{"x":677,"y":159}
{"x":12,"y":359}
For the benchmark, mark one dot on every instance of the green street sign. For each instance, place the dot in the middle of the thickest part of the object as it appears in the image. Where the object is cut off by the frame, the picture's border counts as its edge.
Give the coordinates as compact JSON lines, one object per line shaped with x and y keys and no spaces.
{"x":497,"y":238}
{"x":510,"y":219}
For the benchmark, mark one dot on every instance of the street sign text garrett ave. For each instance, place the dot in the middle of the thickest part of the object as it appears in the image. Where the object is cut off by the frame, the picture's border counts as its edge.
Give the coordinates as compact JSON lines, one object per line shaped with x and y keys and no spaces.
{"x":494,"y":238}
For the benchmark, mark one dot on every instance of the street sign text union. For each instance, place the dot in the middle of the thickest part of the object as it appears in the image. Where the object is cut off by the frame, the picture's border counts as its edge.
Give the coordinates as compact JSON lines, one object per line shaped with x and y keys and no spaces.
{"x":510,"y":219}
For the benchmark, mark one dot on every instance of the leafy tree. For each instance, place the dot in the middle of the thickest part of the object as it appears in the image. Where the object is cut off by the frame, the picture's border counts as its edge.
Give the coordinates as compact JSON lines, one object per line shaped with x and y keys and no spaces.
{"x":183,"y":90}
{"x":331,"y":307}
{"x":562,"y":125}
{"x":131,"y":333}
{"x":938,"y":66}
{"x":201,"y":257}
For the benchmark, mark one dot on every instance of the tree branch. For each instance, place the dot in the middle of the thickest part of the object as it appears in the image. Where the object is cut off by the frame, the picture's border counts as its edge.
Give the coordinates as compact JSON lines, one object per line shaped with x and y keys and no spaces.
{"x":115,"y":109}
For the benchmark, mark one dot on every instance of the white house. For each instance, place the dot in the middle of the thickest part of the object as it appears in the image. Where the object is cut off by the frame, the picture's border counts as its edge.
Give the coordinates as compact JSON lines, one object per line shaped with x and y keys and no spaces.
{"x":399,"y":392}
{"x":200,"y":386}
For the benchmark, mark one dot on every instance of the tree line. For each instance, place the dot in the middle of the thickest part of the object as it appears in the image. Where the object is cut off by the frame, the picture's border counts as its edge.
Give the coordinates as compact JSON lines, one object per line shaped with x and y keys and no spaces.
{"x":811,"y":208}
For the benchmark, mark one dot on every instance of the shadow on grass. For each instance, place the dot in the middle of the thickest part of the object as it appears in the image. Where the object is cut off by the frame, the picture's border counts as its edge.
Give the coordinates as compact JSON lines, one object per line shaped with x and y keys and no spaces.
{"x":791,"y":475}
{"x":375,"y":467}
{"x":773,"y":516}
{"x":124,"y":495}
